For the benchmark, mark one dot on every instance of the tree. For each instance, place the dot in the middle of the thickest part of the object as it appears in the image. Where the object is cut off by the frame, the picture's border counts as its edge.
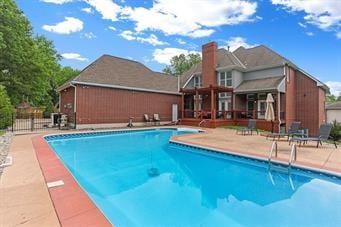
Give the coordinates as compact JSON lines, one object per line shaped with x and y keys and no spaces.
{"x":330,"y":98}
{"x":6,"y":109}
{"x":181,"y":63}
{"x":27,"y":63}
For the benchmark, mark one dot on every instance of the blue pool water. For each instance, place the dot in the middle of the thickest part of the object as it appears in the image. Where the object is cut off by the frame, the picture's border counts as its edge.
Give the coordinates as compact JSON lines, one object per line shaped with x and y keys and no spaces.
{"x":140,"y":179}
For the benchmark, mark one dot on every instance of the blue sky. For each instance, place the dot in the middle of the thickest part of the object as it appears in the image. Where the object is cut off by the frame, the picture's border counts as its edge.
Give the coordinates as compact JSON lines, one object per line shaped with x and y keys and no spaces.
{"x":306,"y":32}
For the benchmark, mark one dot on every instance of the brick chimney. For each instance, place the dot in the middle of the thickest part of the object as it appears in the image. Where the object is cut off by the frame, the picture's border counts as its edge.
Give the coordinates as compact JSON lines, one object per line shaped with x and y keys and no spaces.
{"x":209,"y":63}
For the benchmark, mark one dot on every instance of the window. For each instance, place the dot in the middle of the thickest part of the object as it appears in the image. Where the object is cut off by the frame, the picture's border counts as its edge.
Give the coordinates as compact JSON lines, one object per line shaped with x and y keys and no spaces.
{"x":225,"y":79}
{"x":197,"y":81}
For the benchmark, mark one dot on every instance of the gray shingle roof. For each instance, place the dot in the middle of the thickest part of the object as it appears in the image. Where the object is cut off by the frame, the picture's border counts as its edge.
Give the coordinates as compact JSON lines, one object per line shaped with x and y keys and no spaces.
{"x":334,"y":106}
{"x":266,"y":84}
{"x":115,"y":71}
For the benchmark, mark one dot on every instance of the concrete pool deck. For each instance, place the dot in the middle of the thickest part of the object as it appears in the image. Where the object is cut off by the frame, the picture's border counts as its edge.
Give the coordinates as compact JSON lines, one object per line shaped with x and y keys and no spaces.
{"x":26,"y":200}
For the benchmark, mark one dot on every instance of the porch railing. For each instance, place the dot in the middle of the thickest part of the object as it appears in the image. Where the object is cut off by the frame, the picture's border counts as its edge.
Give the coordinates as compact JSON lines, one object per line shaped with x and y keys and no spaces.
{"x":233,"y":114}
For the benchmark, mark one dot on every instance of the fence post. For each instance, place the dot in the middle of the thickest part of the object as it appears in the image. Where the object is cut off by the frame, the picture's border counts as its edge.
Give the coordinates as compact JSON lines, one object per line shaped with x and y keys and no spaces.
{"x":12,"y":122}
{"x":32,"y":122}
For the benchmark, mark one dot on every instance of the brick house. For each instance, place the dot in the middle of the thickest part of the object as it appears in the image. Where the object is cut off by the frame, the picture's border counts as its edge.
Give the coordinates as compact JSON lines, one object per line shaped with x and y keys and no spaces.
{"x":229,"y":88}
{"x":111,"y":90}
{"x":226,"y":88}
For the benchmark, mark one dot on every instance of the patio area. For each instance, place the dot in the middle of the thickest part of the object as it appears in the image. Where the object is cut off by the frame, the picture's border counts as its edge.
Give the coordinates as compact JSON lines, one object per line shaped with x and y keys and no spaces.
{"x":327,"y":157}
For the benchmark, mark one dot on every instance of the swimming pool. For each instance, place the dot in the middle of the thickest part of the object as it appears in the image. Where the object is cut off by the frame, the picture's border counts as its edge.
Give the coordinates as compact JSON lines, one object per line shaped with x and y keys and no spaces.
{"x":140,"y":179}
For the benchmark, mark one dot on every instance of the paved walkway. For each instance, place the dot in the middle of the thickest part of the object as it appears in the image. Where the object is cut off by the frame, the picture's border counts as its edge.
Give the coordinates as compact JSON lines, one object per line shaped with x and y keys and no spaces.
{"x":24,"y":198}
{"x":326,"y":157}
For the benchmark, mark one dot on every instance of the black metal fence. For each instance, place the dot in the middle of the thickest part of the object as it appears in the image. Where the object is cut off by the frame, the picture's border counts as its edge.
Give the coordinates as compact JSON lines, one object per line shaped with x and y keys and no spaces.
{"x":38,"y":121}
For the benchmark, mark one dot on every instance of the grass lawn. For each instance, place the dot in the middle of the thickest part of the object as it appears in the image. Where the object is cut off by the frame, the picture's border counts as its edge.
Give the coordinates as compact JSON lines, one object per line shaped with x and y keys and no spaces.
{"x":2,"y":132}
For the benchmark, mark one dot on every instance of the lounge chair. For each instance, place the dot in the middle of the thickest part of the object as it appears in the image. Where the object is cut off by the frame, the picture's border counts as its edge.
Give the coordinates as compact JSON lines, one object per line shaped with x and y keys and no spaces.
{"x":147,"y":119}
{"x":156,"y":119}
{"x":249,"y":128}
{"x":324,"y":133}
{"x":294,"y":129}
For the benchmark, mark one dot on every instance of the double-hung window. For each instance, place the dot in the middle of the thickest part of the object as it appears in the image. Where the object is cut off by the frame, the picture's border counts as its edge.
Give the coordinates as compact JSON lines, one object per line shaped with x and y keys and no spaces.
{"x":197,"y":81}
{"x":225,"y":80}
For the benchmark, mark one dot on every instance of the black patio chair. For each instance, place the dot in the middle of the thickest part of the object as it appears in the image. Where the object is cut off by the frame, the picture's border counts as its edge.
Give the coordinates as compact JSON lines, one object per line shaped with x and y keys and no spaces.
{"x":251,"y":126}
{"x":324,"y":133}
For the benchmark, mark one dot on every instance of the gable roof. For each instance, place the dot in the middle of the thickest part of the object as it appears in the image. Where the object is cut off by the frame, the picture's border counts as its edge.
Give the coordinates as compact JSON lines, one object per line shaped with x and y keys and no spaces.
{"x":110,"y":71}
{"x":334,"y":106}
{"x":249,"y":59}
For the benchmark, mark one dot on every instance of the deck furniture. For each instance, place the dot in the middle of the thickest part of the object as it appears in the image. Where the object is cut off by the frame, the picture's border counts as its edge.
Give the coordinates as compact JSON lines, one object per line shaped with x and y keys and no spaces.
{"x":147,"y":119}
{"x":293,"y":130}
{"x":156,"y":119}
{"x":249,"y":128}
{"x":323,"y":135}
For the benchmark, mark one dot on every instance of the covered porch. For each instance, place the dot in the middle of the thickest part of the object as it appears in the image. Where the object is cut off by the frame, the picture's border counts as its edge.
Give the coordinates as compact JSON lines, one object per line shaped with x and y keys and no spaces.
{"x":217,"y":106}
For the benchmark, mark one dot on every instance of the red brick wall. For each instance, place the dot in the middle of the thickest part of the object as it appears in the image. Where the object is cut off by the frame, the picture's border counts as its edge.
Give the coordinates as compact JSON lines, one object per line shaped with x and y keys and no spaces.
{"x":97,"y":105}
{"x":209,"y":62}
{"x":322,"y":110}
{"x":67,"y":97}
{"x":307,"y":103}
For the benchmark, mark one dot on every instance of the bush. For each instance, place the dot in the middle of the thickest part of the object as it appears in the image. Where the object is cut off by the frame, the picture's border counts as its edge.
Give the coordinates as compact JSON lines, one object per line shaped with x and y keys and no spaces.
{"x":6,"y":109}
{"x":335,"y":133}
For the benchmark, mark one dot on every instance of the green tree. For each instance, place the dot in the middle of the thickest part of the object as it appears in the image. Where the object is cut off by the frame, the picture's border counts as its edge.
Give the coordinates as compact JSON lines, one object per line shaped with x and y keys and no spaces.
{"x":181,"y":63}
{"x":6,"y":109}
{"x":27,"y":63}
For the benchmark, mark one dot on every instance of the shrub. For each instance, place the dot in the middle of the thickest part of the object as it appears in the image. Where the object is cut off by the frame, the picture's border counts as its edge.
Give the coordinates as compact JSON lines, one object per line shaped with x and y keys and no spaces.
{"x":335,"y":133}
{"x":6,"y":109}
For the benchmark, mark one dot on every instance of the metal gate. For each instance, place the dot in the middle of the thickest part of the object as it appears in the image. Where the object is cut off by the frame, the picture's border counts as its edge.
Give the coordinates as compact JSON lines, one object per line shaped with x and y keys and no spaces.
{"x":39,"y":122}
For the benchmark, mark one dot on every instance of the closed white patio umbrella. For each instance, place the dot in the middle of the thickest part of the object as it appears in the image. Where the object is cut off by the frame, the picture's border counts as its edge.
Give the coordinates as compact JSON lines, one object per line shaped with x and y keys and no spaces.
{"x":269,"y":112}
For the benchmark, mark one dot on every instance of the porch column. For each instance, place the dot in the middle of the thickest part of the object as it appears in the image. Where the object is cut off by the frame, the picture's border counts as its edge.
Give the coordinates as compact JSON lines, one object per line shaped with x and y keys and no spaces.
{"x":196,"y":103}
{"x":279,"y":110}
{"x":182,"y":106}
{"x":212,"y":104}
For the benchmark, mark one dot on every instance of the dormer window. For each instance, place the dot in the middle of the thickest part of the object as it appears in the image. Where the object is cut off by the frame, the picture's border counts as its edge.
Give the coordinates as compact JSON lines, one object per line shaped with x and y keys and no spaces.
{"x":197,"y":81}
{"x":225,"y":79}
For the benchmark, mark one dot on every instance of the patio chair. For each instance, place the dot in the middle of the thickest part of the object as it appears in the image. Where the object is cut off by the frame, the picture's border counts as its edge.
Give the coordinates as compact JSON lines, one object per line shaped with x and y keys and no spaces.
{"x":323,"y":135}
{"x":156,"y":119}
{"x":249,"y":128}
{"x":294,"y":129}
{"x":147,"y":119}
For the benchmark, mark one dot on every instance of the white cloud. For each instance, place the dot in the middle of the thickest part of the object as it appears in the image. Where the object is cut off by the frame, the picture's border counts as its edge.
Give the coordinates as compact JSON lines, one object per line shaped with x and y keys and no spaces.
{"x":107,"y":8}
{"x":59,"y":2}
{"x":74,"y":56}
{"x":324,"y":14}
{"x":88,"y":10}
{"x":309,"y":33}
{"x":151,"y":39}
{"x":235,"y":42}
{"x":69,"y":25}
{"x":88,"y":35}
{"x":190,"y":18}
{"x":338,"y":35}
{"x":181,"y":41}
{"x":112,"y":28}
{"x":302,"y":25}
{"x":163,"y":56}
{"x":335,"y":87}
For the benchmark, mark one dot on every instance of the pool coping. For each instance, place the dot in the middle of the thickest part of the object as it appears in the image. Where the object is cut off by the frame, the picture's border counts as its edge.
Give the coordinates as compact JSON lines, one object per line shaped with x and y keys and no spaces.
{"x":71,"y":203}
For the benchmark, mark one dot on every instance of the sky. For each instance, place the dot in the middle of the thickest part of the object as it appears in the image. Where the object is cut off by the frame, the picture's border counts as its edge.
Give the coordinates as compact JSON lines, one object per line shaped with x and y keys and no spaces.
{"x":307,"y":32}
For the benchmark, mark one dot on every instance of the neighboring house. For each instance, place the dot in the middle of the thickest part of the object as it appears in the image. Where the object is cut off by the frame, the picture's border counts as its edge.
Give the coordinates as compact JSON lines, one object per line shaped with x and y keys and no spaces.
{"x":111,"y":90}
{"x":228,"y":88}
{"x":333,"y":111}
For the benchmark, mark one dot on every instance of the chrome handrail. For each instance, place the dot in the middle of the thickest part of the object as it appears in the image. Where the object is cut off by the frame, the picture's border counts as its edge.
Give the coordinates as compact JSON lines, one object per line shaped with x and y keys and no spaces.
{"x":293,"y":154}
{"x":274,"y":147}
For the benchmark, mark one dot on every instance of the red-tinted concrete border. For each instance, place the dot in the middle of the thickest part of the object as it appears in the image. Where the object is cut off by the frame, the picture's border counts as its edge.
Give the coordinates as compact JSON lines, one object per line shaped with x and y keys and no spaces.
{"x":73,"y":206}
